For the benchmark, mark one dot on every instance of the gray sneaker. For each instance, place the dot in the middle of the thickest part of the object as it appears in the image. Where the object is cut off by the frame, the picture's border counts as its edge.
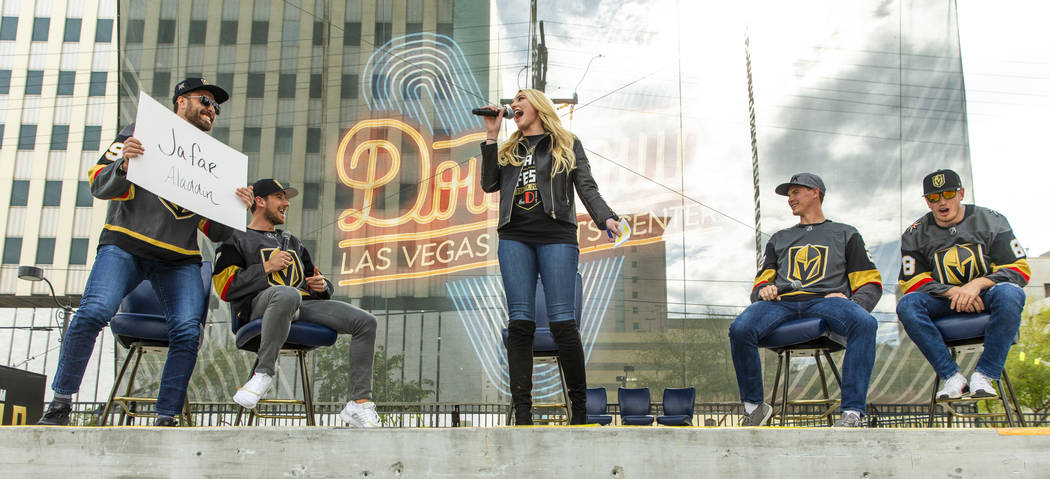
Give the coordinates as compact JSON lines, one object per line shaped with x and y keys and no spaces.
{"x":758,"y":417}
{"x":850,"y":419}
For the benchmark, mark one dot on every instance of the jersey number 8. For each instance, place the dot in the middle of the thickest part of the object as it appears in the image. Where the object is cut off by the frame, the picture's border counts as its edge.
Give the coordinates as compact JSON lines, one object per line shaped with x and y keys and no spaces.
{"x":1016,"y":246}
{"x":908,"y":265}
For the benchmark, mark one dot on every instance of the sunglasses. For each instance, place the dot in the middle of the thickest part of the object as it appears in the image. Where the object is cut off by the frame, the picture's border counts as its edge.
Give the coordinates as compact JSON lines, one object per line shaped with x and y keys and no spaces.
{"x":207,"y":102}
{"x":935,"y":197}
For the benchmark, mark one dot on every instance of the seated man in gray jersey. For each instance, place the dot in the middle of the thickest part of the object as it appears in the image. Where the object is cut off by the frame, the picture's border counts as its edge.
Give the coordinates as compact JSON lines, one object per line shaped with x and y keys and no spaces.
{"x":836,"y":281}
{"x":263,"y":272}
{"x":961,"y":259}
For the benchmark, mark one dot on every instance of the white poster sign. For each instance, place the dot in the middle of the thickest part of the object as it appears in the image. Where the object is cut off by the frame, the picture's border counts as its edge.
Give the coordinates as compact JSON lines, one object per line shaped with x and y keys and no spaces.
{"x":186,"y":166}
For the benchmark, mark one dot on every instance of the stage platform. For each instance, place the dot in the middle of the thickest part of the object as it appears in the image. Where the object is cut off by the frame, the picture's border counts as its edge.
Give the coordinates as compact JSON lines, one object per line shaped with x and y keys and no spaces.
{"x":576,"y":452}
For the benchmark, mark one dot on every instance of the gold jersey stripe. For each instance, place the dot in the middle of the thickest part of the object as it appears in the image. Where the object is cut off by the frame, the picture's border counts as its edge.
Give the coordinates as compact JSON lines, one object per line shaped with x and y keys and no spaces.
{"x":1021,"y":266}
{"x":222,"y":280}
{"x":860,"y":278}
{"x":766,"y":276}
{"x":147,"y":239}
{"x":906,"y":286}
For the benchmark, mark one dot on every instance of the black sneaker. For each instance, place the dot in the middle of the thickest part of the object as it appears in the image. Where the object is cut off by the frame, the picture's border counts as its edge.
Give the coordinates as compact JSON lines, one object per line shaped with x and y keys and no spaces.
{"x":164,"y":421}
{"x":758,"y":417}
{"x":57,"y":414}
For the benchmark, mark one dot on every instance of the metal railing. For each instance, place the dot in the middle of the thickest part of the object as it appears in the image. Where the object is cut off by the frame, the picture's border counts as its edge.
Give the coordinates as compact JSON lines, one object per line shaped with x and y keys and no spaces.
{"x":448,"y":415}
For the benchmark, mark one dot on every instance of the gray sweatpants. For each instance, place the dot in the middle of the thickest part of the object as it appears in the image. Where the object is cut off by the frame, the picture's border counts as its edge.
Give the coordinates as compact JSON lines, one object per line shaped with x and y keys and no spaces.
{"x":280,"y":305}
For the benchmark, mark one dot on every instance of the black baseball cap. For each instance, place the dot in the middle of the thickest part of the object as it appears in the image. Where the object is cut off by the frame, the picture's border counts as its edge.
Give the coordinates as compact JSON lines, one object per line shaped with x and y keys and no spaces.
{"x":940,"y":180}
{"x":809,"y":180}
{"x":193,"y":84}
{"x":269,"y":186}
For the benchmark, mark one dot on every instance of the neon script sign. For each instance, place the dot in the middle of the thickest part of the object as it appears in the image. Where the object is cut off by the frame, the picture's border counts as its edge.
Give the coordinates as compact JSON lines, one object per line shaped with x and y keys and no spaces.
{"x":445,"y":222}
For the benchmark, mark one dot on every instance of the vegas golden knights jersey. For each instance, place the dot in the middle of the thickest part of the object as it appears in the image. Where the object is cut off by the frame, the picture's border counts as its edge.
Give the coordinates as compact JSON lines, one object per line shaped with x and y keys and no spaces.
{"x":933,"y":259}
{"x":240,"y":275}
{"x":825,"y":258}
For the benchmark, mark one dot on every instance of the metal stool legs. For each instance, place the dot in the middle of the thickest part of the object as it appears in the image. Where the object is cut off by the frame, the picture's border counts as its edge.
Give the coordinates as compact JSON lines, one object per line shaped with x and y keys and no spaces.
{"x":127,"y":402}
{"x":784,"y":367}
{"x":1005,"y":393}
{"x":307,"y":401}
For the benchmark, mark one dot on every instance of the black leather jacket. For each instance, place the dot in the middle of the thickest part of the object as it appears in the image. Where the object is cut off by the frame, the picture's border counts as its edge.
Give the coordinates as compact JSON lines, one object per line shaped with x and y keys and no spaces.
{"x":556,"y":193}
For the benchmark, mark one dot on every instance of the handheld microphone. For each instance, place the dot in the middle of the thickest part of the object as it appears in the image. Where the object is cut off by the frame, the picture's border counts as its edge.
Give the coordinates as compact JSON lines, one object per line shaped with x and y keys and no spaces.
{"x":283,"y":241}
{"x":795,"y":285}
{"x":505,"y":111}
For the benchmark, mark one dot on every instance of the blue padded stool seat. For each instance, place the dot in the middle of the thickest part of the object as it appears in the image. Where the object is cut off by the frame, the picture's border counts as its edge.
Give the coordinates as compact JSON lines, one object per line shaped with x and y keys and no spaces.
{"x":543,"y":342}
{"x":140,"y":318}
{"x":967,"y":329}
{"x":139,"y":325}
{"x":596,"y":403}
{"x":635,"y":406}
{"x":636,"y":420}
{"x":678,"y":407}
{"x":302,"y":335}
{"x":148,"y":329}
{"x":804,"y":333}
{"x":543,"y":345}
{"x":964,"y":328}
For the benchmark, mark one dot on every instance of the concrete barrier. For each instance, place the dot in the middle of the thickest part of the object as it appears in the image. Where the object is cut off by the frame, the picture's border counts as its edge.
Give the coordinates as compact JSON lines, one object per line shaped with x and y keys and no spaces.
{"x":576,"y":452}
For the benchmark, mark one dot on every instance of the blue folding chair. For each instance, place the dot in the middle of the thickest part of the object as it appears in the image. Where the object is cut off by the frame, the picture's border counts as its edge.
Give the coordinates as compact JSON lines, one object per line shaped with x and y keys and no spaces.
{"x":544,"y":348}
{"x":303,"y":337}
{"x":678,"y":407}
{"x":596,"y":403}
{"x":965,"y":331}
{"x":139,"y":326}
{"x":635,"y":406}
{"x":804,"y":337}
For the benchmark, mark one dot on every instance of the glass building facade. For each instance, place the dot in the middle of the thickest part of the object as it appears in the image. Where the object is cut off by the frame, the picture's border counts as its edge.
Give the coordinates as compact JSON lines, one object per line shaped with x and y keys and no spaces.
{"x":364,"y":106}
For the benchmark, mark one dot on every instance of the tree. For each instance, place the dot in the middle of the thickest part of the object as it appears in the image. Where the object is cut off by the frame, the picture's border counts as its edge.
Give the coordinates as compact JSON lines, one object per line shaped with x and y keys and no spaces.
{"x":695,"y":355}
{"x":1031,"y":377}
{"x":332,"y":379}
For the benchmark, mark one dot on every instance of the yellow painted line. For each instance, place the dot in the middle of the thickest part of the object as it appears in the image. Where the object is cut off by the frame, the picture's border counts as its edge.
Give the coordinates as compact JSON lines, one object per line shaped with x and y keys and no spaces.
{"x":1024,"y":431}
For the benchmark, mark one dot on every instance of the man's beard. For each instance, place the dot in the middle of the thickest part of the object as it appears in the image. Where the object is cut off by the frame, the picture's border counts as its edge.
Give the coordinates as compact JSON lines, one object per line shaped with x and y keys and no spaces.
{"x":273,"y":217}
{"x":196,"y":120}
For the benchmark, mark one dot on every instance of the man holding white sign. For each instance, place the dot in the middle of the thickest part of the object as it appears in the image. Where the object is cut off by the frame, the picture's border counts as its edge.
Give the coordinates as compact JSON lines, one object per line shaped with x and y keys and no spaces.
{"x":145,"y":237}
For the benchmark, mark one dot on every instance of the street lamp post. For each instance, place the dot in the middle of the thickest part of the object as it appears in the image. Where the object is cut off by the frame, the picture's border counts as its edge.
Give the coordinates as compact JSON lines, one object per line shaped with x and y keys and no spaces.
{"x":33,"y":273}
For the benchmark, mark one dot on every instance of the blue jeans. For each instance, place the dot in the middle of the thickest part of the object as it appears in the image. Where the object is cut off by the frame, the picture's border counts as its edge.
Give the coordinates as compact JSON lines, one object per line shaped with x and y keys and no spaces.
{"x":839,"y":314}
{"x":1003,"y":302}
{"x":557,"y":264}
{"x":114,"y":274}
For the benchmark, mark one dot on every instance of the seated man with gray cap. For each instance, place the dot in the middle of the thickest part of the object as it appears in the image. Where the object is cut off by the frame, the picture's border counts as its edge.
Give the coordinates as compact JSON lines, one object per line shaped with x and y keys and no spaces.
{"x":961,"y":259}
{"x":263,"y":272}
{"x":817,"y":268}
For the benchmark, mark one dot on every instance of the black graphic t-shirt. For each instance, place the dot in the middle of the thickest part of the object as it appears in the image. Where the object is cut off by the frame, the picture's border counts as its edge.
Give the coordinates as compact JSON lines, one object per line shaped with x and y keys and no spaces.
{"x":529,"y":221}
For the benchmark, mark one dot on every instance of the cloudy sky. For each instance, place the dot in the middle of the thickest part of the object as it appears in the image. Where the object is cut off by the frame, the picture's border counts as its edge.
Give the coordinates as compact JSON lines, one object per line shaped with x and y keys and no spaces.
{"x":834,"y":95}
{"x":1006,"y":56}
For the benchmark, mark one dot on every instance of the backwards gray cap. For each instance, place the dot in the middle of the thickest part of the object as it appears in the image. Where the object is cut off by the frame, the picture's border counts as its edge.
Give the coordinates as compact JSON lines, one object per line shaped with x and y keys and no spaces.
{"x":809,"y":180}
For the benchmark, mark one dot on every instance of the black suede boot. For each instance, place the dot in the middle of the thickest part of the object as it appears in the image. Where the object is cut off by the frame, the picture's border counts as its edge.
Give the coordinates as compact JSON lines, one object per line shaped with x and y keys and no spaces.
{"x":570,"y":356}
{"x":519,"y":360}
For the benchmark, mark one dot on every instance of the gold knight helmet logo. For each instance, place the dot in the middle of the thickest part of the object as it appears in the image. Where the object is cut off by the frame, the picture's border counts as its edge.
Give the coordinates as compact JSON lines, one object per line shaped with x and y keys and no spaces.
{"x":938,"y":180}
{"x":290,"y":276}
{"x":808,"y":263}
{"x":960,"y":264}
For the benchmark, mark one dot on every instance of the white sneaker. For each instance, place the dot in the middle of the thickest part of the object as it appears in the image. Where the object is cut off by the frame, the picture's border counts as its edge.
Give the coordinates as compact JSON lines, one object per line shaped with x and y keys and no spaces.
{"x":981,"y":386}
{"x":253,"y":390}
{"x":954,"y":387}
{"x":360,"y":415}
